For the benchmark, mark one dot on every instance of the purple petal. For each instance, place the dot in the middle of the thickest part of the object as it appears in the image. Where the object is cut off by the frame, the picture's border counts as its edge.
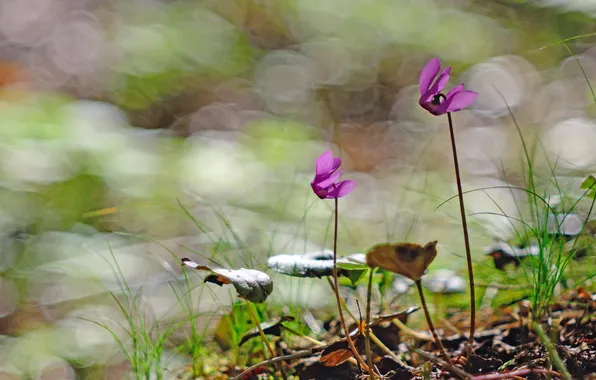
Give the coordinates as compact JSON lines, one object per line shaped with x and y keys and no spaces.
{"x":440,"y":83}
{"x":342,"y":189}
{"x":319,"y":192}
{"x":328,"y":181}
{"x":454,"y":90}
{"x":460,"y":100}
{"x":324,"y":163}
{"x":428,"y":74}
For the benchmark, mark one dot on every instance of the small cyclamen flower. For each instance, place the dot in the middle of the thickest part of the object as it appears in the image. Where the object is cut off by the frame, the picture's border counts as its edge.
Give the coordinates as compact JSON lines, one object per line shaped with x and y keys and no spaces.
{"x":325,"y":183}
{"x":431,"y":97}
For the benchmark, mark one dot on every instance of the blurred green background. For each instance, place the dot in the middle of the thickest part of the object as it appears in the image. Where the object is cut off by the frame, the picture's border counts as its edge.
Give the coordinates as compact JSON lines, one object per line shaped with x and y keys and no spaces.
{"x":130,"y":125}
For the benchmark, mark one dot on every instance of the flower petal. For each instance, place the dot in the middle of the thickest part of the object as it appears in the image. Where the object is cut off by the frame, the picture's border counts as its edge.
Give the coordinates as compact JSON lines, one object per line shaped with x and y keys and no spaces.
{"x":440,"y":83}
{"x":328,"y":181}
{"x":460,"y":100}
{"x":428,"y":74}
{"x":319,"y":191}
{"x":454,"y":90}
{"x":342,"y":189}
{"x":324,"y":163}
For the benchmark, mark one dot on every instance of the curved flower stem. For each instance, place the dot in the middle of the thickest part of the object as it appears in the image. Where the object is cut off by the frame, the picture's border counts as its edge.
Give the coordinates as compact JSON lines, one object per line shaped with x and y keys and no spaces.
{"x":464,"y":224}
{"x":339,"y":308}
{"x":369,"y":358}
{"x":431,"y":326}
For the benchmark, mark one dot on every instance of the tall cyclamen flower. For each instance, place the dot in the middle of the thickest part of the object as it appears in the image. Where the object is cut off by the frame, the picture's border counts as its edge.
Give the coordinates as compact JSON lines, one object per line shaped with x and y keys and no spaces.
{"x":325,"y":183}
{"x":431,"y":97}
{"x":325,"y":186}
{"x":435,"y":102}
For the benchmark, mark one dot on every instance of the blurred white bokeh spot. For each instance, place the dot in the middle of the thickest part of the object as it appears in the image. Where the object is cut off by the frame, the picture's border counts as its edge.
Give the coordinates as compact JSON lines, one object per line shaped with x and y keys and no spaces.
{"x":501,"y":82}
{"x":94,"y":126}
{"x":495,"y":204}
{"x":36,"y":162}
{"x":330,"y":57}
{"x":224,"y":170}
{"x":78,"y":45}
{"x":133,"y":170}
{"x":85,"y":337}
{"x":285,"y":88}
{"x":217,"y":116}
{"x":482,"y":149}
{"x":571,"y":144}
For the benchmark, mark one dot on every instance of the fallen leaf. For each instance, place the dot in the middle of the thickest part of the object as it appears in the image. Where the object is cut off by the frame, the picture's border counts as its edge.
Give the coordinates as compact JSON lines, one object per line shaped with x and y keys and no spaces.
{"x":251,"y":285}
{"x":339,"y":352}
{"x":408,"y":259}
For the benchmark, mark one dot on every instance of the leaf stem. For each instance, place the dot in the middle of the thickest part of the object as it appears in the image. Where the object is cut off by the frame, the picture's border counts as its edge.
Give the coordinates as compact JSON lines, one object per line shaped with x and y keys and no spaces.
{"x":263,"y":337}
{"x":431,"y":326}
{"x":339,"y":308}
{"x":552,"y":351}
{"x":464,"y":224}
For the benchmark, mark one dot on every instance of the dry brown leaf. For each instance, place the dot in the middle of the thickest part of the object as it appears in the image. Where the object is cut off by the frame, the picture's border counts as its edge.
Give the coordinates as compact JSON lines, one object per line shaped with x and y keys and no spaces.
{"x":408,"y":259}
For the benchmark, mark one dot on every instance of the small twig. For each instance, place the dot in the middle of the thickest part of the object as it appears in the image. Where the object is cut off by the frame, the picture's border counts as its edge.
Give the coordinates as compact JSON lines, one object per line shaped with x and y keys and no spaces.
{"x":264,"y":337}
{"x":296,"y":355}
{"x":521,"y":372}
{"x":453,"y":369}
{"x":369,"y":358}
{"x":431,"y":326}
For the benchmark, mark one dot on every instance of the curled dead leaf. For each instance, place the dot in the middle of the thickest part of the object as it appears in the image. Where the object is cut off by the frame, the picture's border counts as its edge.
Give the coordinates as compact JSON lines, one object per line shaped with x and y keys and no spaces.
{"x":339,"y":352}
{"x":250,"y":284}
{"x":408,"y":259}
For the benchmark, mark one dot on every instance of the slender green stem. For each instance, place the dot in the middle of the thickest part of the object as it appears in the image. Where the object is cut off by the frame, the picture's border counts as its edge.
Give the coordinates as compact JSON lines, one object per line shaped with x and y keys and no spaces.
{"x":264,"y":337}
{"x":552,"y":352}
{"x":339,"y":308}
{"x":369,"y":358}
{"x":464,"y":224}
{"x":431,"y":325}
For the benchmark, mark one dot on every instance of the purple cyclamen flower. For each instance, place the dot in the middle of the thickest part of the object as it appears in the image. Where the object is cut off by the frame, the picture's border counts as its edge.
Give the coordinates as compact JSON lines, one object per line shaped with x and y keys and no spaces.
{"x":431,"y":98}
{"x":325,"y":184}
